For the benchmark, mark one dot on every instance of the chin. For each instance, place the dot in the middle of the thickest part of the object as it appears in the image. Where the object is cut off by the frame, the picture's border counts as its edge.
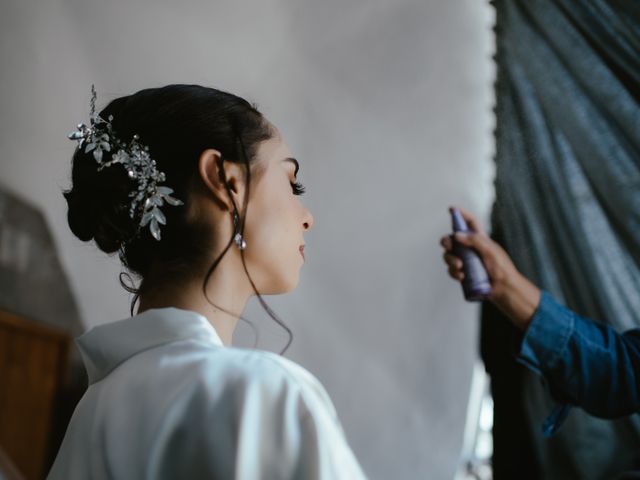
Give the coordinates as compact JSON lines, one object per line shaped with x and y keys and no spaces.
{"x":275,"y":273}
{"x":287,"y":288}
{"x":291,"y":287}
{"x":281,"y":285}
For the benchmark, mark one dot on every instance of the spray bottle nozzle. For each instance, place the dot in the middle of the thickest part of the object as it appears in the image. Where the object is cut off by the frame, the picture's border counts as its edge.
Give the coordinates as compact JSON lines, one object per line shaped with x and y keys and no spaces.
{"x":458,"y":222}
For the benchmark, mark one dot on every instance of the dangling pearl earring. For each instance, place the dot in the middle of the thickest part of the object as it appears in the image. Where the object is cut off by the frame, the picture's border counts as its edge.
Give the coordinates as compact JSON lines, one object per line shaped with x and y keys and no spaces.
{"x":238,"y":237}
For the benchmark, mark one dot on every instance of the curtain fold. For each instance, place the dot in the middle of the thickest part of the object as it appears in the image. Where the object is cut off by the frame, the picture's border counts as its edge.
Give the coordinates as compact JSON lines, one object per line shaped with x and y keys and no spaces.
{"x":568,"y":200}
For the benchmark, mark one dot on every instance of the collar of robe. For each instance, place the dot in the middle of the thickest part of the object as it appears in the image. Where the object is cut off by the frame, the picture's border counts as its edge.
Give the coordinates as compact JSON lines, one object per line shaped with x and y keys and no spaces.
{"x":106,"y":346}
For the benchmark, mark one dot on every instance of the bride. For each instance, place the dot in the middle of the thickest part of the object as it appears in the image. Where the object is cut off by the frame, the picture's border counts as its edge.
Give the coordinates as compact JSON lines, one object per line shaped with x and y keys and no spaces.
{"x":198,"y":194}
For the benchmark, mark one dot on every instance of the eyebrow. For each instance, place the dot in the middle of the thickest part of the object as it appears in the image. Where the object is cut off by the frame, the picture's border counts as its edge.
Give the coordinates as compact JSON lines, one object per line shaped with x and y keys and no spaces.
{"x":295,"y":162}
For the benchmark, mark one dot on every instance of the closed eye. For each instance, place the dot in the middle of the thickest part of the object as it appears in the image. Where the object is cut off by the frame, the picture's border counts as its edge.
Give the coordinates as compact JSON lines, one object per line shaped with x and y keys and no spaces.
{"x":298,"y":188}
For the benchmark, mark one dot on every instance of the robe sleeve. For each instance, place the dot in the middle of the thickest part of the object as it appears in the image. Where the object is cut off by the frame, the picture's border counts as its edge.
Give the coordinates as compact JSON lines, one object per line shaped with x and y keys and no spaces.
{"x":271,"y":420}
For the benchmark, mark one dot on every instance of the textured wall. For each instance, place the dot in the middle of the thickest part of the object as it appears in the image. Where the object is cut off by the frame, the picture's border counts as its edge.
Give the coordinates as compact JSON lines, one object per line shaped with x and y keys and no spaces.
{"x":387,"y":106}
{"x":32,"y":281}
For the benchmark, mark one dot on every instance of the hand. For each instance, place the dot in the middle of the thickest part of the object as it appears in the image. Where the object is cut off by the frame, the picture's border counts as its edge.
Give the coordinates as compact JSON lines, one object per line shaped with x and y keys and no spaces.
{"x":511,"y":292}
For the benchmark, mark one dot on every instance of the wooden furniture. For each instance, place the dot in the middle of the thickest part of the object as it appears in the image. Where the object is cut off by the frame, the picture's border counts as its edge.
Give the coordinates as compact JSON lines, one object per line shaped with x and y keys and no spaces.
{"x":33,"y":373}
{"x":8,"y":471}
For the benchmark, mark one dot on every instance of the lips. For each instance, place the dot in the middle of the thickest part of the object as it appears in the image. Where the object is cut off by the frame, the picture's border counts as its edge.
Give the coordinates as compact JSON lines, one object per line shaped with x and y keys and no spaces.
{"x":302,"y":250}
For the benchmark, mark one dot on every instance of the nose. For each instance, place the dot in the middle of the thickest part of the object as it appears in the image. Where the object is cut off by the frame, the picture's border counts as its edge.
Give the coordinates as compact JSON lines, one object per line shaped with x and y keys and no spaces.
{"x":308,"y":220}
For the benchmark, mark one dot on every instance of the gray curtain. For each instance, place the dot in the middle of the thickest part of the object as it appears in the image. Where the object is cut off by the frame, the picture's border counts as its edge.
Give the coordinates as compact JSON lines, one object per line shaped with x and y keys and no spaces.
{"x":567,"y":206}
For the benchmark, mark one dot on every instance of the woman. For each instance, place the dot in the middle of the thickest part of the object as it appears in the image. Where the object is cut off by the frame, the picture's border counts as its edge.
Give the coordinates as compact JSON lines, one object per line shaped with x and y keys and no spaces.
{"x":585,"y":363}
{"x":196,"y":191}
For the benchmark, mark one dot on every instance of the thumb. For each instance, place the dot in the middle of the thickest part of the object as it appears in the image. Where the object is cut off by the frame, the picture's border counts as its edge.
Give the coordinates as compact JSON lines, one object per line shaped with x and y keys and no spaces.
{"x":478,"y":241}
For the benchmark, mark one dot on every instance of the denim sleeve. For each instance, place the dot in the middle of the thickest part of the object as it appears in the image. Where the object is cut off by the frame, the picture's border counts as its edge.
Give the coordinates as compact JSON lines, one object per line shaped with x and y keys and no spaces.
{"x":585,"y":363}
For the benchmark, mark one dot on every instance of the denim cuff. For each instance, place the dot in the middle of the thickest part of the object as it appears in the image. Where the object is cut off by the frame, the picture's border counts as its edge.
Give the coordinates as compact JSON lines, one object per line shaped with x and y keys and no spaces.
{"x":547,"y":336}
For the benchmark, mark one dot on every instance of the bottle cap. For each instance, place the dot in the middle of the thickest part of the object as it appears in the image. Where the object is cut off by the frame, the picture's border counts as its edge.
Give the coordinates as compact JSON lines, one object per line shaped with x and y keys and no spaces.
{"x":458,"y":223}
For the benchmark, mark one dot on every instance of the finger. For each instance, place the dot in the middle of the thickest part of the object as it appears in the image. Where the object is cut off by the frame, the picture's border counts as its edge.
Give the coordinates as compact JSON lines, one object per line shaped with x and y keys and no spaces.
{"x":456,"y":274}
{"x":452,"y":261}
{"x":446,"y":243}
{"x":473,"y":223}
{"x":478,"y":241}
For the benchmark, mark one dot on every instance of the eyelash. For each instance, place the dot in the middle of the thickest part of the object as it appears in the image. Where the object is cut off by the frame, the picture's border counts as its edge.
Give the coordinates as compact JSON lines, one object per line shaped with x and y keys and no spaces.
{"x":298,"y":188}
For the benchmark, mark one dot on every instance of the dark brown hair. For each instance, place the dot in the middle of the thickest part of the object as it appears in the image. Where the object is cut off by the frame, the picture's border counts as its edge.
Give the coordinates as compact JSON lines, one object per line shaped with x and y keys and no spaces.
{"x":177,"y":123}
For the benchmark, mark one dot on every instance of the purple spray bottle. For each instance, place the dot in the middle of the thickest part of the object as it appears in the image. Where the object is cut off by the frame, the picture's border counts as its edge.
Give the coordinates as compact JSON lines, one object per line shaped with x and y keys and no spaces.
{"x":476,"y":284}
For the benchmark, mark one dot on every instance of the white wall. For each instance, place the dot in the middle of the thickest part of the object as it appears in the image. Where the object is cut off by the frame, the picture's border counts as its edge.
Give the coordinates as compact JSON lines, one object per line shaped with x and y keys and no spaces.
{"x":387,"y":104}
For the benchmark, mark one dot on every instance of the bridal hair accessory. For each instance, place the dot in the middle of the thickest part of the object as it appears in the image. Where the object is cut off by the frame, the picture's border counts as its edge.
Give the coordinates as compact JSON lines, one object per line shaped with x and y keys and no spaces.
{"x":149,"y":195}
{"x":238,"y":237}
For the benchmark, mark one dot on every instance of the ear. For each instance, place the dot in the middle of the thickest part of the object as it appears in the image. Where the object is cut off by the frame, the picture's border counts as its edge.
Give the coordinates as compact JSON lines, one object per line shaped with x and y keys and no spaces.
{"x":213,"y":171}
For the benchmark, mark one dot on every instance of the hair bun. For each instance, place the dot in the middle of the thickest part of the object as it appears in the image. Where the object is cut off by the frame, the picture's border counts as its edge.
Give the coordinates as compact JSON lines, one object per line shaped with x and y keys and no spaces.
{"x":80,"y":217}
{"x":98,"y":204}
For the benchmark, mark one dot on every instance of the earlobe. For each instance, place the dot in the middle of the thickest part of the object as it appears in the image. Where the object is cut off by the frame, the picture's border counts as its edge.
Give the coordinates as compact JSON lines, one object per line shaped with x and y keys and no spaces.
{"x":213,"y":171}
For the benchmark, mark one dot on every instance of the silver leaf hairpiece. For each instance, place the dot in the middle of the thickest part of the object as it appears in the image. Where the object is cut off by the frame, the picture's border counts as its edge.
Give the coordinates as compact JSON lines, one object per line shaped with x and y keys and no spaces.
{"x":99,"y":138}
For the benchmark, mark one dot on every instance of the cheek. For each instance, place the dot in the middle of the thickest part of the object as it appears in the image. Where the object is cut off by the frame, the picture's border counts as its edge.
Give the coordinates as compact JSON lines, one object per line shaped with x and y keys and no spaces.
{"x":270,"y":230}
{"x":272,"y":254}
{"x":269,"y":233}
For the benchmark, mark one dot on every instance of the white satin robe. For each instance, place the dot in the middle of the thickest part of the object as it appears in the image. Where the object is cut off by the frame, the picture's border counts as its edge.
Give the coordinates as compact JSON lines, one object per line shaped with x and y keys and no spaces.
{"x":166,"y":400}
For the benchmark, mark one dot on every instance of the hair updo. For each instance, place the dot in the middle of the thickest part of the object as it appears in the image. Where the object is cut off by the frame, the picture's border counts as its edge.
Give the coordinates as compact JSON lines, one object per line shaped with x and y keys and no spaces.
{"x":177,"y":123}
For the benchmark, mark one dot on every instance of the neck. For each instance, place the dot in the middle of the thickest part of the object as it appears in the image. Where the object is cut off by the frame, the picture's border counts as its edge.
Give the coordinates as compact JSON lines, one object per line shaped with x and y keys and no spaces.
{"x":225,"y":303}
